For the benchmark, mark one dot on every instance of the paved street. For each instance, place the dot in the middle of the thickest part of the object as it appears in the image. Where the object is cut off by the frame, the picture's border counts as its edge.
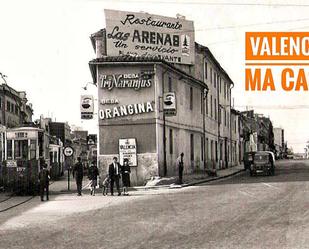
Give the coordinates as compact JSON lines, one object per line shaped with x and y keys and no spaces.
{"x":237,"y":212}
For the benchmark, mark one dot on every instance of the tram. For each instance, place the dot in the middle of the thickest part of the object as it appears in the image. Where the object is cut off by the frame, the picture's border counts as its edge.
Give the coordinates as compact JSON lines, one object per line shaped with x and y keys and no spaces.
{"x":26,"y":148}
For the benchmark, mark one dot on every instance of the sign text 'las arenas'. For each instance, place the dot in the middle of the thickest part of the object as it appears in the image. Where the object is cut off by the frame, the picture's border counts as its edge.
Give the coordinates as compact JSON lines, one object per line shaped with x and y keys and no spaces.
{"x":148,"y":35}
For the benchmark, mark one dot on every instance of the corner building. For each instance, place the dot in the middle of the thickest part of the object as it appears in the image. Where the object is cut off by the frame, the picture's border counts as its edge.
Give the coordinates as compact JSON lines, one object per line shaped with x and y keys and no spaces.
{"x":136,"y":111}
{"x":130,"y":100}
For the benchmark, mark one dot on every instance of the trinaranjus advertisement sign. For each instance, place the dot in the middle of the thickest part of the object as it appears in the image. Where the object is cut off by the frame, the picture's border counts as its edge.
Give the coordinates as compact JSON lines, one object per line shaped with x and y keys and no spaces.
{"x":127,"y":149}
{"x":147,"y":35}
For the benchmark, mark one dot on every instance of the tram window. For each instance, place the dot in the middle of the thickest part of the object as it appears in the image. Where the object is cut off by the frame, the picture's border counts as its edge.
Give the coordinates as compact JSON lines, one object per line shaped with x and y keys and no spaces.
{"x":55,"y":157}
{"x":51,"y":157}
{"x":32,"y":149}
{"x":9,"y":149}
{"x":21,"y":149}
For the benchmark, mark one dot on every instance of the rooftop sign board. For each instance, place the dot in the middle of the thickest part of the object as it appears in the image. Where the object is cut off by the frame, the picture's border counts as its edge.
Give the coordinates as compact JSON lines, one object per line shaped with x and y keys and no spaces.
{"x":146,"y":35}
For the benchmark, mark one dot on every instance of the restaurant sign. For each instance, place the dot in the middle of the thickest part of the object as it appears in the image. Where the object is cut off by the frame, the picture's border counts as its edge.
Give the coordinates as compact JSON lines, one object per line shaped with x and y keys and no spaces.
{"x":127,"y":150}
{"x":147,"y":35}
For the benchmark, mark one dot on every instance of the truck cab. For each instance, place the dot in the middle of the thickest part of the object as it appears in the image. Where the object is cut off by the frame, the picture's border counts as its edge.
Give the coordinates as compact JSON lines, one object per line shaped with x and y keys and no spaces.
{"x":263,"y":163}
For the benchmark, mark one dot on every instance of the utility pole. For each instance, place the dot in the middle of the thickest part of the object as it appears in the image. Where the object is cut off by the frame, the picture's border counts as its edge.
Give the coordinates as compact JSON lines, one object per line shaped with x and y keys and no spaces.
{"x":164,"y":129}
{"x":205,"y":93}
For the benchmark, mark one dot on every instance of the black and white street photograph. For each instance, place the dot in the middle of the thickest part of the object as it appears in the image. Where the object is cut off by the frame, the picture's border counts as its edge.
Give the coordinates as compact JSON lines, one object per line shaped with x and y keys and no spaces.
{"x":168,"y":124}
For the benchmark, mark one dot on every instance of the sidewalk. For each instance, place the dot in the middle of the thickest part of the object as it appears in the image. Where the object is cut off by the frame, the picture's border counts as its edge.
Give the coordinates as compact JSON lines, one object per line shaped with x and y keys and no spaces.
{"x":61,"y":186}
{"x":190,"y":180}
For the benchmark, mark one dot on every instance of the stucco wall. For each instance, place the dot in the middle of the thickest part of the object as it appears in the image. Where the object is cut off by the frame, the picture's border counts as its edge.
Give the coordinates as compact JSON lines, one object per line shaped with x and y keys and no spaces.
{"x":147,"y":167}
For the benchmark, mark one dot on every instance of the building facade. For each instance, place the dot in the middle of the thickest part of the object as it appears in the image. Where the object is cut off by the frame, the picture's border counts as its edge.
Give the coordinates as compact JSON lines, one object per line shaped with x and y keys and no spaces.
{"x":14,"y":106}
{"x":137,"y":113}
{"x":61,"y":130}
{"x":258,"y":132}
{"x":279,"y":142}
{"x":132,"y":123}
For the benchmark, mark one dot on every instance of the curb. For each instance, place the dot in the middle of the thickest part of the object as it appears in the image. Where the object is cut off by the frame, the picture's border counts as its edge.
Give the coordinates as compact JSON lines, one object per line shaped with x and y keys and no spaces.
{"x":212,"y":179}
{"x":144,"y":188}
{"x":187,"y":184}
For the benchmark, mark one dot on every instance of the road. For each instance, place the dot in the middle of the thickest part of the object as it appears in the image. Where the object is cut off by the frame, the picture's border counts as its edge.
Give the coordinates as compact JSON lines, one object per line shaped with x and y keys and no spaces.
{"x":237,"y":212}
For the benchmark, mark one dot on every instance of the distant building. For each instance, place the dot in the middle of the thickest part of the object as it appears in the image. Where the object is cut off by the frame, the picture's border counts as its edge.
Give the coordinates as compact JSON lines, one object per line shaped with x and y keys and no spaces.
{"x":257,"y":132}
{"x":79,"y":143}
{"x":236,"y":147}
{"x":14,"y":106}
{"x":61,"y":130}
{"x":279,"y":142}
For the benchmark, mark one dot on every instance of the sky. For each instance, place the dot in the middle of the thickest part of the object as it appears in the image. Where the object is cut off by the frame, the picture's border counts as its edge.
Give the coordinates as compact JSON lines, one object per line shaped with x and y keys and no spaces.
{"x":45,"y":50}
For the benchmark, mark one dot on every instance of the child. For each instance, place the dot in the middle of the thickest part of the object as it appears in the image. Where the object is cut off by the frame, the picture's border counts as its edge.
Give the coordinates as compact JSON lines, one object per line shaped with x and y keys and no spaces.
{"x":106,"y":183}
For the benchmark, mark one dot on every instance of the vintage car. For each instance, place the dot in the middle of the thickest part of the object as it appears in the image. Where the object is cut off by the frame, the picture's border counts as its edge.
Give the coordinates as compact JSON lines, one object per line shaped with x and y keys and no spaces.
{"x":263,"y":163}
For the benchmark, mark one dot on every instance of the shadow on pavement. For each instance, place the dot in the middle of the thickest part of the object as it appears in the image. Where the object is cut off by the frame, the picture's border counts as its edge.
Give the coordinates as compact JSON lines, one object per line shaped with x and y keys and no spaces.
{"x":286,"y":171}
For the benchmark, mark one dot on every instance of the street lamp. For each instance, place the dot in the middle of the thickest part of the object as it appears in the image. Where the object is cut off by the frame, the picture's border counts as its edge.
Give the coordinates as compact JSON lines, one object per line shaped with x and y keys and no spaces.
{"x":3,"y":76}
{"x":91,"y":83}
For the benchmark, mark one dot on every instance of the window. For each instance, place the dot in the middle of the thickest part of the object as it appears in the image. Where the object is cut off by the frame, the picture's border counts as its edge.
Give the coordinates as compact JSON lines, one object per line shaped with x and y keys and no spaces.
{"x":0,"y":103}
{"x":227,"y":119}
{"x":205,"y":70}
{"x":224,"y":117}
{"x":16,"y":109}
{"x":235,"y":125}
{"x":211,"y":149}
{"x":202,"y":148}
{"x":216,"y":150}
{"x":12,"y":107}
{"x":215,"y":79}
{"x":32,"y":149}
{"x":9,"y":149}
{"x":192,"y":147}
{"x":219,"y":114}
{"x":207,"y":148}
{"x":169,"y":84}
{"x":191,"y":98}
{"x":171,"y":141}
{"x":210,"y":75}
{"x":215,"y":109}
{"x":224,"y":88}
{"x":202,"y":102}
{"x":219,"y":82}
{"x":210,"y":105}
{"x":207,"y":104}
{"x":8,"y":106}
{"x":21,"y":149}
{"x":51,"y":156}
{"x":55,"y":157}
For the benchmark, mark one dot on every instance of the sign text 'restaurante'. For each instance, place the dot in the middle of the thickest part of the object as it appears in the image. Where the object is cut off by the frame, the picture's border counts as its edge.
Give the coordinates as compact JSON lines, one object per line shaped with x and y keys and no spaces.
{"x":148,"y":35}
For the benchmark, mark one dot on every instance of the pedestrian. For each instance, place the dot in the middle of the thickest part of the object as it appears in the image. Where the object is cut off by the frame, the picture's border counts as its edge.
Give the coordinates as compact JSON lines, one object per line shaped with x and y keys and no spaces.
{"x":125,"y":173}
{"x":114,"y":174}
{"x":180,"y":166}
{"x":105,"y":184}
{"x":78,"y":173}
{"x":93,"y":173}
{"x":44,"y":177}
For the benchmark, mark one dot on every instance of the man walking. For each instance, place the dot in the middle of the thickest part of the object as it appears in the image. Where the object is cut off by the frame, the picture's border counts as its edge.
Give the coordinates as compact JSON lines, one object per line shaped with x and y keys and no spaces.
{"x":114,"y":174}
{"x":78,"y":173}
{"x":179,"y":165}
{"x":44,"y":181}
